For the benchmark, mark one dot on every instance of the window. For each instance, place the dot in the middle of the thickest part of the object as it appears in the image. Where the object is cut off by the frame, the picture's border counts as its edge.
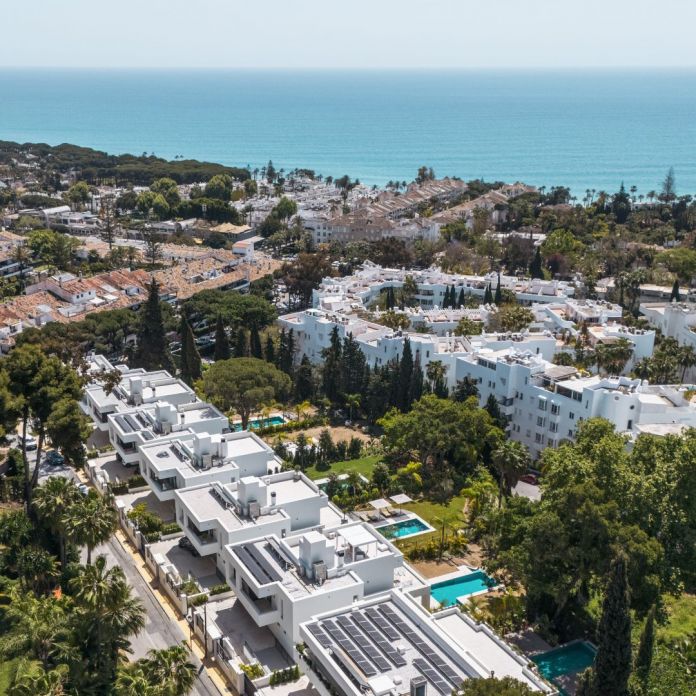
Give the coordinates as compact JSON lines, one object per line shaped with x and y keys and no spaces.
{"x":542,"y":404}
{"x":630,"y":425}
{"x":537,"y":438}
{"x":540,"y":421}
{"x":570,"y":433}
{"x":555,"y":409}
{"x":553,"y":427}
{"x":571,"y":415}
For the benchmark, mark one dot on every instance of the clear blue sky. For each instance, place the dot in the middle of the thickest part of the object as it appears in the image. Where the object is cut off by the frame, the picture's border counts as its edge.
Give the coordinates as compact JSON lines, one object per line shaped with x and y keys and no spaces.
{"x":351,"y":33}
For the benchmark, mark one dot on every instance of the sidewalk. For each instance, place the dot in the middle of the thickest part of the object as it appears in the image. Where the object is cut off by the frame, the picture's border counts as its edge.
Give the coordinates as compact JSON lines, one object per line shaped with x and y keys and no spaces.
{"x":139,"y":562}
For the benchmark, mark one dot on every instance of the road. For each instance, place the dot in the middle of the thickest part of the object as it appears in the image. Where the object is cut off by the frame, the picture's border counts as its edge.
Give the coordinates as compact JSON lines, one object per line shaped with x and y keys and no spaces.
{"x":160,"y":631}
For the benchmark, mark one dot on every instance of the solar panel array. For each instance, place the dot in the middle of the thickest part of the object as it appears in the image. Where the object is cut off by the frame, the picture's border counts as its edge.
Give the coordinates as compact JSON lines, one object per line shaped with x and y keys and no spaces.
{"x":259,"y":567}
{"x":349,"y":648}
{"x":358,"y":637}
{"x":432,"y":676}
{"x":384,"y":645}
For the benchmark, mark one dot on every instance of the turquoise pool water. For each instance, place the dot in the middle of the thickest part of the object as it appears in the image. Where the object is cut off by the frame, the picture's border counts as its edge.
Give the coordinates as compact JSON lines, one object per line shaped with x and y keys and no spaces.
{"x":403,"y":529}
{"x":446,"y":592}
{"x":568,"y":659}
{"x":262,"y":423}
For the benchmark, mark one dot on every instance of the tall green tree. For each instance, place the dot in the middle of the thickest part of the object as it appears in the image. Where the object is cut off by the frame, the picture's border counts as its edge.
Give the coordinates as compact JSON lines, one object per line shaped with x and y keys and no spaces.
{"x":191,"y":366}
{"x":241,"y":343}
{"x":674,"y":295}
{"x":222,"y":344}
{"x":52,"y":501}
{"x":405,"y":377}
{"x":510,"y":460}
{"x":90,"y":521}
{"x":536,"y":267}
{"x":498,"y":298}
{"x":646,"y":646}
{"x":331,"y":368}
{"x":612,"y":667}
{"x":255,"y":349}
{"x":303,"y":381}
{"x":152,"y":349}
{"x":245,"y":385}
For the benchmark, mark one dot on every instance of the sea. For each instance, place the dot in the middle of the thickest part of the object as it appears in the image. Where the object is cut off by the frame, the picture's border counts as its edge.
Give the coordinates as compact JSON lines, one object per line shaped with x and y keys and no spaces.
{"x":581,"y":129}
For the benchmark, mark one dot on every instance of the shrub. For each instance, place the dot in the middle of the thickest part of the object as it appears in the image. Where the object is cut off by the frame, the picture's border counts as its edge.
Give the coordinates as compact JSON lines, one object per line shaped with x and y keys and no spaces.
{"x":253,"y":671}
{"x":152,"y":537}
{"x":145,"y":520}
{"x":170,"y":528}
{"x":119,"y":488}
{"x":219,"y":589}
{"x":199,"y":600}
{"x":189,"y":587}
{"x":136,"y":481}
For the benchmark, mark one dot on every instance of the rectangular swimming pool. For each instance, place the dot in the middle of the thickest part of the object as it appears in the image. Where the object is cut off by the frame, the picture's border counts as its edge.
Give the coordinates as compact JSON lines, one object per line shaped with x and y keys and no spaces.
{"x":448,"y":591}
{"x":261,"y":423}
{"x":568,"y":659}
{"x":402,"y":529}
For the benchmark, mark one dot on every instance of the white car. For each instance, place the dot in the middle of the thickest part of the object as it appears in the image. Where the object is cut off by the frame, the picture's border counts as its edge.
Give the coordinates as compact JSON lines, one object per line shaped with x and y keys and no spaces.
{"x":30,"y":442}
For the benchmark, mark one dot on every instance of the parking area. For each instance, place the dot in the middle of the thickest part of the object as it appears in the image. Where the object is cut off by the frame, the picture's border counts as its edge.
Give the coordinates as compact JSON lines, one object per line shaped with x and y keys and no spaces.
{"x":187,"y":565}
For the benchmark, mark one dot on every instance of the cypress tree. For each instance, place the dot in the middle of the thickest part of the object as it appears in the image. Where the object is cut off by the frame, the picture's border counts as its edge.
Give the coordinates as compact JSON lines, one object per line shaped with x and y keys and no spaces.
{"x":190,"y":357}
{"x":417,"y":380}
{"x":269,"y":352}
{"x":461,"y":299}
{"x":498,"y":293}
{"x":304,"y":381}
{"x":446,"y":298}
{"x":585,"y":683}
{"x":494,"y":411}
{"x":222,"y":344}
{"x":488,"y":295}
{"x":536,"y":268}
{"x":645,"y":646}
{"x":674,"y":295}
{"x":255,"y":343}
{"x":405,"y":376}
{"x":152,"y":350}
{"x":331,"y":370}
{"x":241,"y":349}
{"x":612,"y":666}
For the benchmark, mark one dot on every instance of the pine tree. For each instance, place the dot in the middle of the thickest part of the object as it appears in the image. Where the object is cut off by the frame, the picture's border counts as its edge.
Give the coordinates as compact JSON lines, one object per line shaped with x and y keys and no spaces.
{"x":190,"y":357}
{"x":304,"y":381}
{"x":674,"y":295}
{"x":498,"y":293}
{"x":536,"y":268}
{"x":269,"y":352}
{"x":222,"y":344}
{"x":152,"y":350}
{"x":645,"y":646}
{"x":405,"y":376}
{"x":241,"y":348}
{"x":612,"y":666}
{"x":255,"y":349}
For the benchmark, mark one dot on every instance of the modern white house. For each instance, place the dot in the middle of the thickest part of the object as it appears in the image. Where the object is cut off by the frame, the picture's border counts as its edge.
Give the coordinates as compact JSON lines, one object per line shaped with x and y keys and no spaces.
{"x":129,"y":429}
{"x":391,"y":645}
{"x":674,"y":319}
{"x":197,"y":458}
{"x":283,"y":582}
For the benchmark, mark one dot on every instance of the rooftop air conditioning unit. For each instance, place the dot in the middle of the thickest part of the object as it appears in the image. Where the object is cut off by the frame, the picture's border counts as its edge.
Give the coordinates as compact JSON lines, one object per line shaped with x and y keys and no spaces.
{"x":206,"y":461}
{"x":254,"y":509}
{"x":320,"y":573}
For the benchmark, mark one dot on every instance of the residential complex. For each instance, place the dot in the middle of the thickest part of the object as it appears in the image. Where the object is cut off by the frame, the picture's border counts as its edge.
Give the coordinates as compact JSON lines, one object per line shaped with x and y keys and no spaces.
{"x":300,"y":571}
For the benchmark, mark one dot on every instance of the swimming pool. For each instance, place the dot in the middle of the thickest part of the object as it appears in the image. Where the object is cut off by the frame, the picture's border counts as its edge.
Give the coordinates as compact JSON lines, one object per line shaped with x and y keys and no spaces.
{"x":261,"y":423}
{"x":448,"y":591}
{"x":568,"y":659}
{"x":405,"y":528}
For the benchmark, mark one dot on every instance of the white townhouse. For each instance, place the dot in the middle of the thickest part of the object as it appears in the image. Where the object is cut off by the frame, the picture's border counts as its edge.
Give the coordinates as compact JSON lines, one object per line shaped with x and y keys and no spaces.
{"x":129,"y":429}
{"x":391,"y":645}
{"x":196,"y":458}
{"x":674,"y":319}
{"x":283,"y":582}
{"x":216,"y":514}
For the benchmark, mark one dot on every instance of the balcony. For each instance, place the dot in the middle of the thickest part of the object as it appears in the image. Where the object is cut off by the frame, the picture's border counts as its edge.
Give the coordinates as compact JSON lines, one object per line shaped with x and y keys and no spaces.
{"x":202,"y":537}
{"x":165,"y":485}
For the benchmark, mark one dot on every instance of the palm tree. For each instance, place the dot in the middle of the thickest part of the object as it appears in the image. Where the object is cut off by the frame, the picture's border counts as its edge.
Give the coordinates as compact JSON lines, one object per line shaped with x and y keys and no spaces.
{"x":37,"y":568}
{"x":510,"y":460}
{"x":109,"y":612}
{"x":445,"y":523}
{"x":32,"y":680}
{"x":612,"y":357}
{"x":90,"y":522}
{"x":302,"y":408}
{"x":51,"y":502}
{"x":171,"y":669}
{"x":131,"y":681}
{"x":353,"y":402}
{"x":687,"y":359}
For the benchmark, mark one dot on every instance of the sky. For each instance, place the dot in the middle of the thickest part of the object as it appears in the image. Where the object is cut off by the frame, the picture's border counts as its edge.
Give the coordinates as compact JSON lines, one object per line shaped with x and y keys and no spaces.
{"x":368,"y":34}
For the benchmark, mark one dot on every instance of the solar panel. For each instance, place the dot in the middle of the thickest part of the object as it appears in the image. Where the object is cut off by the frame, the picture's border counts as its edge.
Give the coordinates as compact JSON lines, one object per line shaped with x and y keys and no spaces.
{"x":319,"y":634}
{"x":364,"y":644}
{"x":379,"y":640}
{"x":335,"y":632}
{"x":432,"y":676}
{"x":257,"y":565}
{"x":446,"y":669}
{"x":382,"y":624}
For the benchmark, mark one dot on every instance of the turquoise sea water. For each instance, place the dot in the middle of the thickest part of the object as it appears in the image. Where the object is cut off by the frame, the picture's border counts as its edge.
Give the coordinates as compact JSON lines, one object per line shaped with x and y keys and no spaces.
{"x":581,"y":129}
{"x":446,"y":592}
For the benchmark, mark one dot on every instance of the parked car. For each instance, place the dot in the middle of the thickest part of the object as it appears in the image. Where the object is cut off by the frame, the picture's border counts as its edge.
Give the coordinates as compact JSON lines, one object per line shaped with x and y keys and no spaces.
{"x":187,"y":544}
{"x":54,"y":458}
{"x":31,"y":442}
{"x":530,"y":478}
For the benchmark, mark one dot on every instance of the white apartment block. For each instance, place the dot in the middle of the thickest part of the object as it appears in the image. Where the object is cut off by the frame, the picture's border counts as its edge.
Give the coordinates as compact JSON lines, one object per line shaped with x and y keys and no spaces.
{"x":544,"y":403}
{"x":674,"y":319}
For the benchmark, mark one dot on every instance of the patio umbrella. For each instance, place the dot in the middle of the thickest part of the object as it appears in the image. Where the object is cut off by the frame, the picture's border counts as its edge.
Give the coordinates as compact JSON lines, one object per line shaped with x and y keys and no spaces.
{"x":401,"y":499}
{"x":379,"y":504}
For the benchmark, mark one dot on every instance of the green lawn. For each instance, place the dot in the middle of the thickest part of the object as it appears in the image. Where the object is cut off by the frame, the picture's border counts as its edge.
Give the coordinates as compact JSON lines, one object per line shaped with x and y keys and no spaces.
{"x":7,"y":672}
{"x":682,"y":618}
{"x":363,"y":466}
